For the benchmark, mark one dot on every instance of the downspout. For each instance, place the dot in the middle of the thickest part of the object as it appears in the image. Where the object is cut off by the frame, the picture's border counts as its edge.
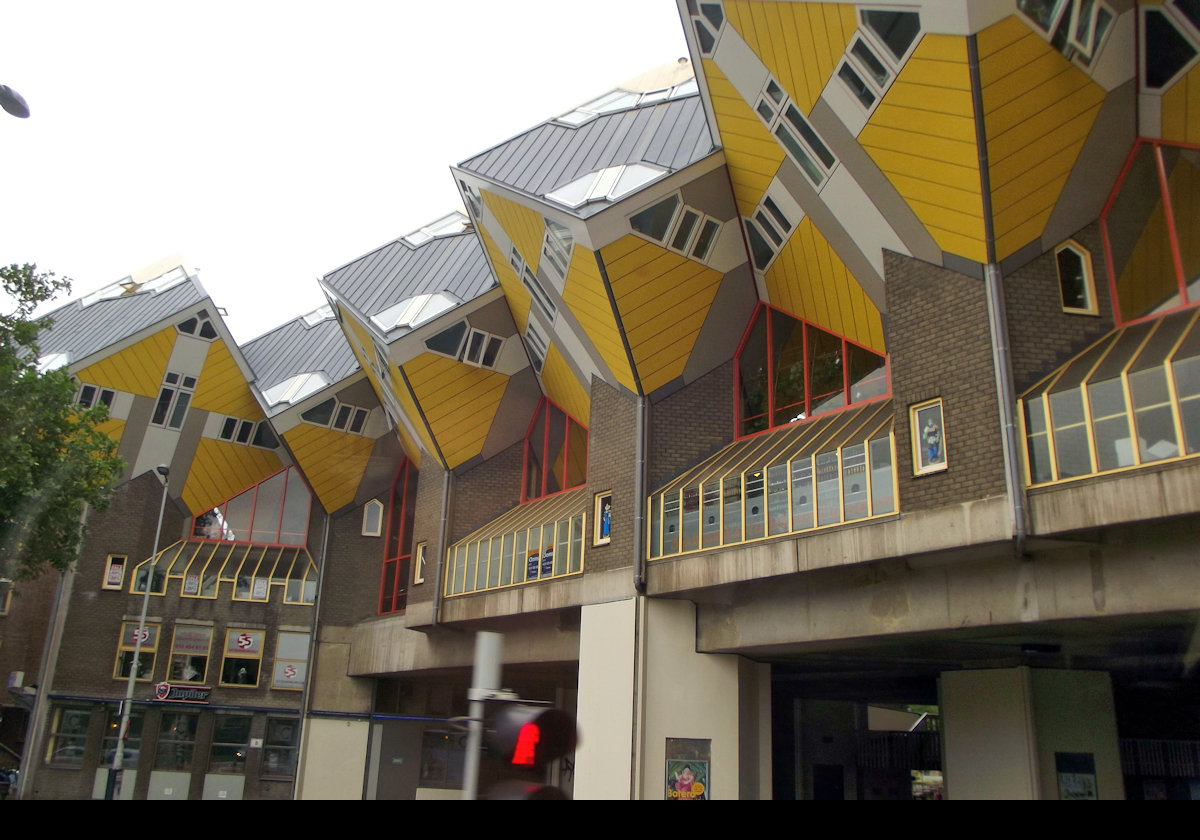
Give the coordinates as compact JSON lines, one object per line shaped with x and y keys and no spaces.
{"x":306,"y":695}
{"x":443,"y":533}
{"x":639,"y":497}
{"x":998,"y":326}
{"x":637,"y":747}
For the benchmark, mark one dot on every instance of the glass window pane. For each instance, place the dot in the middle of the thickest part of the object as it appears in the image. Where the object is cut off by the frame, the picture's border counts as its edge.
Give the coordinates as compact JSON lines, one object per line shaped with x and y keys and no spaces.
{"x":825,"y":371}
{"x":787,"y":349}
{"x":883,"y":497}
{"x":731,"y":492}
{"x":691,"y":518}
{"x":829,"y":505}
{"x":854,"y":482}
{"x":230,"y":744}
{"x":268,"y":509}
{"x":802,"y":494}
{"x":176,"y":741}
{"x":712,"y":514}
{"x":752,"y":378}
{"x":656,"y":220}
{"x":777,"y":499}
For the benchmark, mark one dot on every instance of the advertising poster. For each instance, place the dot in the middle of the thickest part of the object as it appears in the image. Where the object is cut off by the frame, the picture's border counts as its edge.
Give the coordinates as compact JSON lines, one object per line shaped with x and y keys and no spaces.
{"x":687,"y":779}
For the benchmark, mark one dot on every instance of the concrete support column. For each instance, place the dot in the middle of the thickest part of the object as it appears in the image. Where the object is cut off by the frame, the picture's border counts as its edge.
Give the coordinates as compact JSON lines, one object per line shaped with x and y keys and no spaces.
{"x":676,"y":693}
{"x":1022,"y":733}
{"x":605,"y":709}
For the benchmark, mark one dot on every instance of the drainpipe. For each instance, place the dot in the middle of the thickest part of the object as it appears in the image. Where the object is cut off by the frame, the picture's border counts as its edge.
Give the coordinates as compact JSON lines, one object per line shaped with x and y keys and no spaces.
{"x":1007,"y":399}
{"x":639,"y":498}
{"x":443,"y":531}
{"x":998,"y":326}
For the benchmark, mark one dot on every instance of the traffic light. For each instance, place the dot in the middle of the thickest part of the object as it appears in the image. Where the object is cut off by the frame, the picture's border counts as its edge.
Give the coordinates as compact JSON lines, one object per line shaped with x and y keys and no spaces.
{"x":520,"y":741}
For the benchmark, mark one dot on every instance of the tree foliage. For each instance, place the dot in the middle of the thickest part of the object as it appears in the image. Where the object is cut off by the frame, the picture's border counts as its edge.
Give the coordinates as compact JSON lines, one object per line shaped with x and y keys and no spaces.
{"x":53,"y":458}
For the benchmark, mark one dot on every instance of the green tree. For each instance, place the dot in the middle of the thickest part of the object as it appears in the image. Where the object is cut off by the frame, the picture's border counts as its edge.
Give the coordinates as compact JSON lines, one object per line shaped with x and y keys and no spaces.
{"x":53,"y":458}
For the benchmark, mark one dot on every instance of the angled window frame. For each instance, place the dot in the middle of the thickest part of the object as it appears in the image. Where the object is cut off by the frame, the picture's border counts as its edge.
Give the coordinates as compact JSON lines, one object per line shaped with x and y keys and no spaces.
{"x":1091,"y":306}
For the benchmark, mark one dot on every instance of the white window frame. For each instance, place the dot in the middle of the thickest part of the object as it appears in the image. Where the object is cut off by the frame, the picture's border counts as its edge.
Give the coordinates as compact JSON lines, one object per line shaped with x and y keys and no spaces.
{"x":775,"y":113}
{"x":692,"y":239}
{"x":98,"y":395}
{"x":537,"y":345}
{"x":1089,"y":279}
{"x":532,"y":285}
{"x":419,"y":561}
{"x":183,"y":386}
{"x":372,"y":521}
{"x":555,"y":251}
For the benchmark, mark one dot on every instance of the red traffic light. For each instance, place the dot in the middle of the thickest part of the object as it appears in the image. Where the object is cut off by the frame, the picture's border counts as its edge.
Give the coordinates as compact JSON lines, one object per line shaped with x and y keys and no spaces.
{"x":528,"y":736}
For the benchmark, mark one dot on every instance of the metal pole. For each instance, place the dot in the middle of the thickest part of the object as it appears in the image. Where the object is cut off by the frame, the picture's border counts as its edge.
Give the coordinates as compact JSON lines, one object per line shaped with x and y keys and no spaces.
{"x":485,"y":679}
{"x":119,"y":753}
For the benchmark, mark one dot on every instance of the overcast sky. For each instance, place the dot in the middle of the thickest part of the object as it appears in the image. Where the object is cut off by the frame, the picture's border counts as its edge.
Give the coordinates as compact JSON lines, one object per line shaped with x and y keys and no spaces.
{"x":269,"y":143}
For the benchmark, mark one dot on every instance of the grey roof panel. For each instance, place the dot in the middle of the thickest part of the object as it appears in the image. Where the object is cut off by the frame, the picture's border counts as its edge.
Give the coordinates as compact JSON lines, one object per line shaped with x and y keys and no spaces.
{"x":672,"y":134}
{"x":297,"y":347}
{"x":398,"y":271}
{"x":83,"y":330}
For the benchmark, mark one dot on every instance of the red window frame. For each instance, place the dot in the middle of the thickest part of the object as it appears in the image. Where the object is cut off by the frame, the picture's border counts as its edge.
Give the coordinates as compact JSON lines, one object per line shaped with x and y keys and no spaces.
{"x":398,"y":538}
{"x":765,"y":310}
{"x":1169,"y":217}
{"x":545,"y":413}
{"x":224,"y":505}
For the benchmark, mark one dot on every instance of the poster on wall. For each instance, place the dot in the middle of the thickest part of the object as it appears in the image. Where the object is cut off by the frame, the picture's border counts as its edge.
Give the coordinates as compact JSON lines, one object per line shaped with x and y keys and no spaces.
{"x":688,"y":769}
{"x":687,"y":780}
{"x":928,"y":437}
{"x":1076,"y":775}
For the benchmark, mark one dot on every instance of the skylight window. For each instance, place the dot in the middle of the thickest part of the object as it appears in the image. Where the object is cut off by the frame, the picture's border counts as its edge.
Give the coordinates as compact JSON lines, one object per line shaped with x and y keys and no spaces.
{"x":445,"y":226}
{"x":414,"y":311}
{"x":608,"y":184}
{"x":318,"y":315}
{"x":296,"y":388}
{"x":53,"y":361}
{"x":128,"y":286}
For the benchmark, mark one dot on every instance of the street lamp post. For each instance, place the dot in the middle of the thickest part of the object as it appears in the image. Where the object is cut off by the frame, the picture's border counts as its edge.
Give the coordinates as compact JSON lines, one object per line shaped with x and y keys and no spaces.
{"x":118,"y":760}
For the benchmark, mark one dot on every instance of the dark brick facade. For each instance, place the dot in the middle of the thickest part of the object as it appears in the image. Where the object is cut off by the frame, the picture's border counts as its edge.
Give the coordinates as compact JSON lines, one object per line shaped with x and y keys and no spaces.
{"x":940,"y":346}
{"x":87,"y":655}
{"x":354,"y":564}
{"x":612,"y":452}
{"x":690,"y":424}
{"x":483,"y":493}
{"x":1043,"y":336}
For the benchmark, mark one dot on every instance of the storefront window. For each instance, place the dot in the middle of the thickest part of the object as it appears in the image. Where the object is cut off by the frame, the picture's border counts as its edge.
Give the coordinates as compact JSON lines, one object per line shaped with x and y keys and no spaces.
{"x":231,"y":742}
{"x":176,"y":741}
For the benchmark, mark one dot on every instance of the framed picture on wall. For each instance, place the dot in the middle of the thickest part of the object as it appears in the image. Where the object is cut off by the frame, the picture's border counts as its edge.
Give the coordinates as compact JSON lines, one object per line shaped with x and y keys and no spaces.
{"x":928,"y":437}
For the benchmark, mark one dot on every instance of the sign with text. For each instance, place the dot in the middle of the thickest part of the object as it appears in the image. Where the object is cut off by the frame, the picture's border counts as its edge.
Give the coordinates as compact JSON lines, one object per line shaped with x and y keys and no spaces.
{"x":169,"y":693}
{"x":243,"y":642}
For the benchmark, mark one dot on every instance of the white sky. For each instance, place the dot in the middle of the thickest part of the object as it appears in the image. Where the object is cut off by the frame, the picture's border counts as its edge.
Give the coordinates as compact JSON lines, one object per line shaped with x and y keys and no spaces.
{"x":271,"y":142}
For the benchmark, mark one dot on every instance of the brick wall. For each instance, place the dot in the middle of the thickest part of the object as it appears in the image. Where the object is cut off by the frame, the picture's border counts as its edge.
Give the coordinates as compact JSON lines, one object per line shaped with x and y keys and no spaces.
{"x":483,"y":493}
{"x":1041,"y":334}
{"x":427,"y":527}
{"x":612,"y":466}
{"x":690,"y":424}
{"x":940,"y":346}
{"x":353,"y":565}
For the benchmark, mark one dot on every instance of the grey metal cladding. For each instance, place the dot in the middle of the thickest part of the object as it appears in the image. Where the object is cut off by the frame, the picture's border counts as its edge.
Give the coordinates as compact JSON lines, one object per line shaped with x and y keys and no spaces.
{"x":397,"y":271}
{"x":297,"y":347}
{"x":82,"y":331}
{"x":672,"y":134}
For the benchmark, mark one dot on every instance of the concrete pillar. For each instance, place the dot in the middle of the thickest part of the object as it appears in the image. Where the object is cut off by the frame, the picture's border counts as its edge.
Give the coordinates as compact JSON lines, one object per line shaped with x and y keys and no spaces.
{"x":641,"y":682}
{"x":1021,"y":733}
{"x":716,"y":698}
{"x":605,"y":710}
